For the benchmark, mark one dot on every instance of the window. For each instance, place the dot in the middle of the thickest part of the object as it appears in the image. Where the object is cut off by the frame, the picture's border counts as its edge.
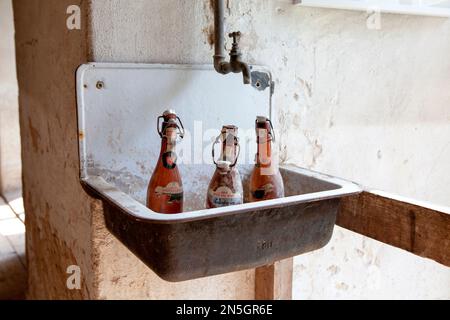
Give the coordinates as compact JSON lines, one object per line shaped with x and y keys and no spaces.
{"x":437,"y":8}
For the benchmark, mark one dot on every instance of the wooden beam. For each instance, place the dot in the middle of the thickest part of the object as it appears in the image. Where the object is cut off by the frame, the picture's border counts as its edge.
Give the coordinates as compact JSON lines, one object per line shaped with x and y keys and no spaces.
{"x":274,"y":282}
{"x":417,"y":227}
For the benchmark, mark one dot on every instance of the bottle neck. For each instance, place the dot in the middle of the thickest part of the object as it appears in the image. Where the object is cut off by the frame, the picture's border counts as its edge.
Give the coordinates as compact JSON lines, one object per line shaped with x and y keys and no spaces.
{"x":229,"y":151}
{"x":168,"y":157}
{"x":167,"y":146}
{"x":264,"y":141}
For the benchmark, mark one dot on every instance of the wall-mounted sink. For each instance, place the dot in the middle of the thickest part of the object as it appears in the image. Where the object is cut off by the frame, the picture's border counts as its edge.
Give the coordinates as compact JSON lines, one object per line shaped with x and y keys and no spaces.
{"x":118,"y":149}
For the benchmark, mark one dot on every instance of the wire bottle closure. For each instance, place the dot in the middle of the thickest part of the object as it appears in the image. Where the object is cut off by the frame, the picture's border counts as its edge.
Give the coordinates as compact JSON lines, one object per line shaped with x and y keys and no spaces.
{"x":271,"y":131}
{"x":163,"y":125}
{"x":237,"y":145}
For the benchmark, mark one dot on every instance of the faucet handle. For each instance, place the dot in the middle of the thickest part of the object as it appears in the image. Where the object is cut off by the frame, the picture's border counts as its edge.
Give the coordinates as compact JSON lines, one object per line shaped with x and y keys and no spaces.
{"x":236,"y":36}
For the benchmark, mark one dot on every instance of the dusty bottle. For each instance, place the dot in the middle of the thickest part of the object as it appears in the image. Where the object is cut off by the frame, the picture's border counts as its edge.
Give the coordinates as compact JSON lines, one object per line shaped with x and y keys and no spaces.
{"x":165,"y":191}
{"x":266,"y":182}
{"x":226,"y":188}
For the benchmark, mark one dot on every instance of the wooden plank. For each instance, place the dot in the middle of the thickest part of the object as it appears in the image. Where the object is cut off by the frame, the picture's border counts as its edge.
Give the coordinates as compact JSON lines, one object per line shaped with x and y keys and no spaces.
{"x":420,"y":228}
{"x":274,"y":282}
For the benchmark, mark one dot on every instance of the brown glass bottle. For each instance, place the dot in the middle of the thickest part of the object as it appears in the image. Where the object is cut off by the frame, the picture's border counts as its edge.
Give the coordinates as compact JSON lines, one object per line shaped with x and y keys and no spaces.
{"x":266,"y":182}
{"x":165,"y":191}
{"x":226,"y":188}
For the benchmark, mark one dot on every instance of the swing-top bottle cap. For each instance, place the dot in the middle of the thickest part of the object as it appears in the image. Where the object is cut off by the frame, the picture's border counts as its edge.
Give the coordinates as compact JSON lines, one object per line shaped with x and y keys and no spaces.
{"x":230,"y":127}
{"x":169,"y":112}
{"x":261,"y":119}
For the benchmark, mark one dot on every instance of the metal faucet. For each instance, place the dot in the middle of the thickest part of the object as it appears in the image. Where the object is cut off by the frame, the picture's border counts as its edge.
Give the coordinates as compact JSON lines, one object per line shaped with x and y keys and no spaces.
{"x":236,"y":65}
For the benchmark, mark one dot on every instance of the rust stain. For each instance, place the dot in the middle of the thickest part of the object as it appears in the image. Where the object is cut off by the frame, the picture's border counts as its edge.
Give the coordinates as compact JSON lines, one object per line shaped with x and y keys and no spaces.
{"x":81,"y":135}
{"x":35,"y":136}
{"x":208,"y":31}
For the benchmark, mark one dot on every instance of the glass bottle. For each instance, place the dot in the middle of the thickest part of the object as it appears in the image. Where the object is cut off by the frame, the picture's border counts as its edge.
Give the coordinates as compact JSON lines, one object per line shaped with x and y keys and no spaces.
{"x":226,"y":188}
{"x":266,"y":182}
{"x":165,"y":191}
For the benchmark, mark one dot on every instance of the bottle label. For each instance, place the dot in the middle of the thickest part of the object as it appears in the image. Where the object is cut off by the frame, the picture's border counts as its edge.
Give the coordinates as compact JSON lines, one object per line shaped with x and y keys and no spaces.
{"x":263,"y":191}
{"x":224,"y":197}
{"x":169,"y":160}
{"x":173,"y":191}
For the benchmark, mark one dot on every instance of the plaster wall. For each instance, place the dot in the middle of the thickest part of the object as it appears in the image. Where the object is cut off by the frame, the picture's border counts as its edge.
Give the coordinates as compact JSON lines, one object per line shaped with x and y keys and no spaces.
{"x":362,"y":104}
{"x":10,"y":158}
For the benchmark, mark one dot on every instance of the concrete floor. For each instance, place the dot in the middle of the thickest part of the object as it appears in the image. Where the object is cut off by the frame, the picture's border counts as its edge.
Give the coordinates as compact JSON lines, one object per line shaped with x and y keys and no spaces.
{"x":13,"y":274}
